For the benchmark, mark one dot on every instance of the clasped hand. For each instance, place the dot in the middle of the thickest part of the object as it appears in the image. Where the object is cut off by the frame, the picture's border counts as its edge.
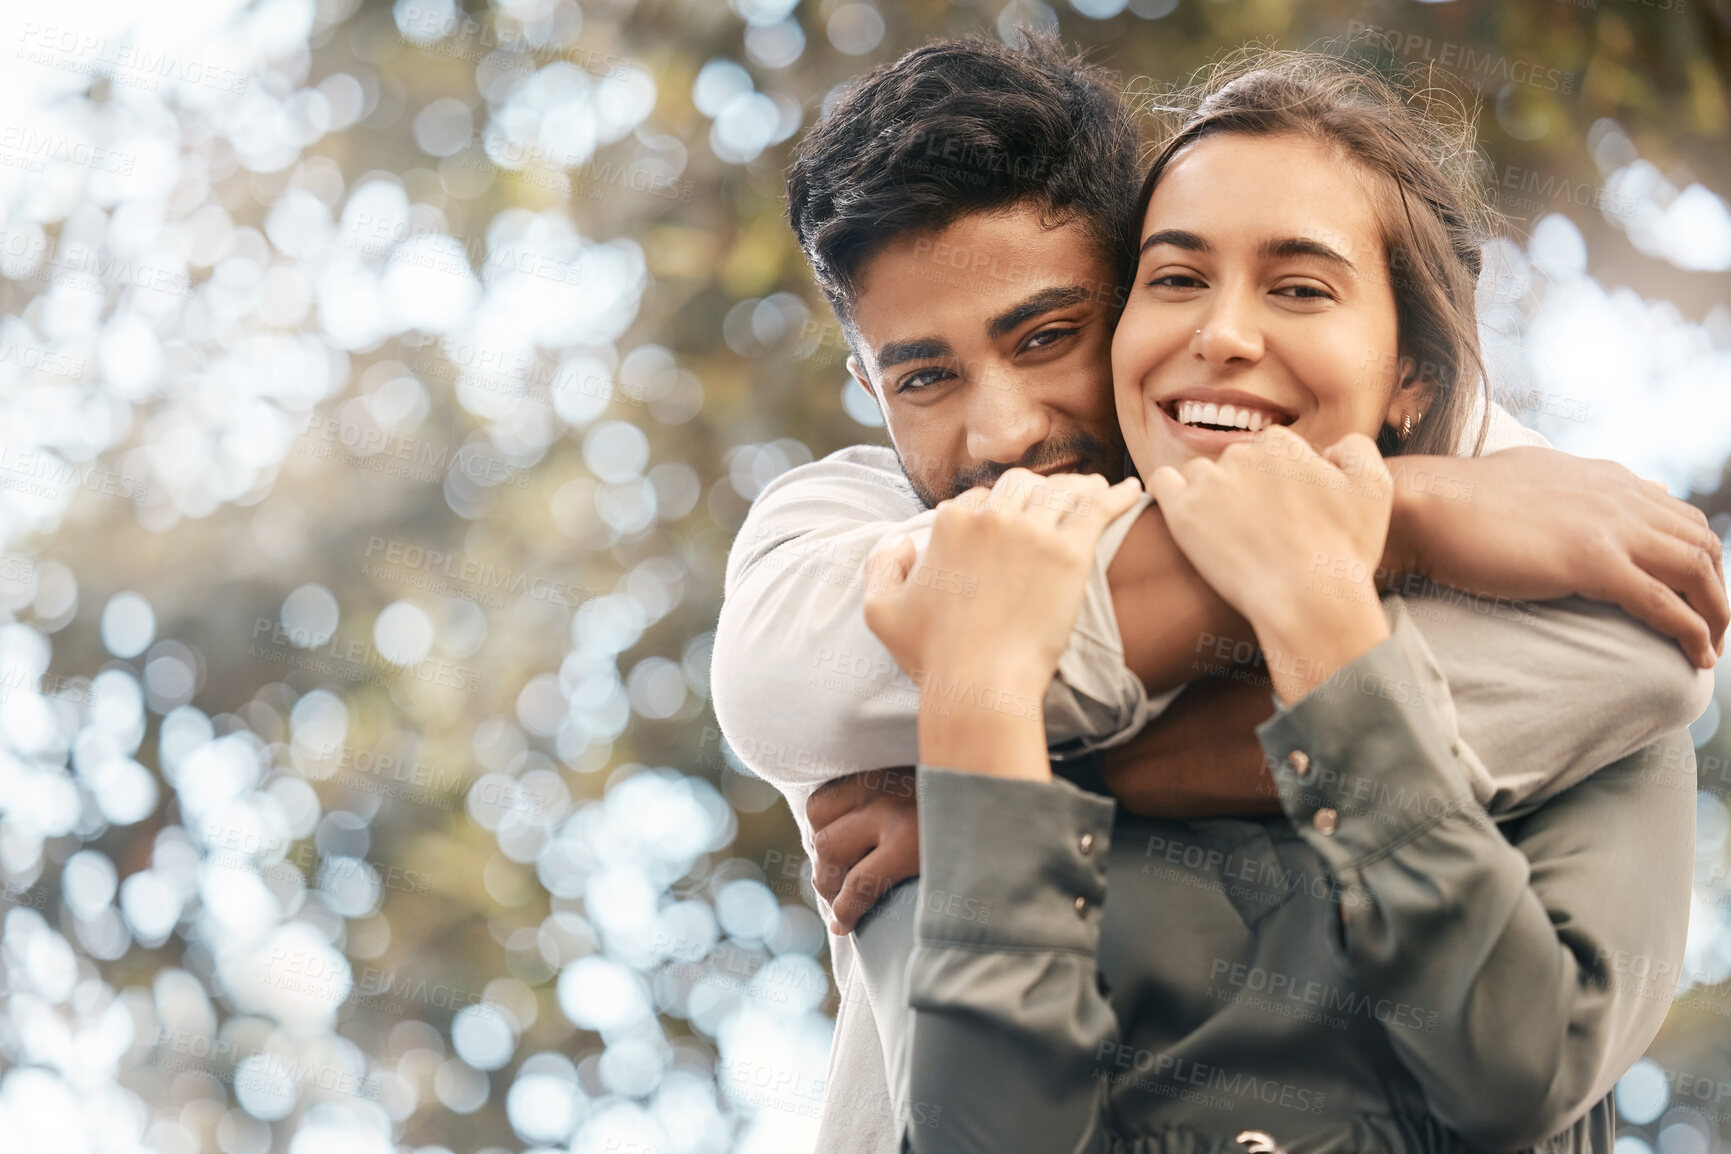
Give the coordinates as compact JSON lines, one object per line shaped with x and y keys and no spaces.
{"x":1291,"y":539}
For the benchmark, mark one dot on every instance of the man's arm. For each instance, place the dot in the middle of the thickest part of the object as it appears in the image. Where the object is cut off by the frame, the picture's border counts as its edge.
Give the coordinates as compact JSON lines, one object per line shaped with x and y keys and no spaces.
{"x":1525,"y":524}
{"x":1534,"y":524}
{"x":1200,"y":758}
{"x":1522,"y":523}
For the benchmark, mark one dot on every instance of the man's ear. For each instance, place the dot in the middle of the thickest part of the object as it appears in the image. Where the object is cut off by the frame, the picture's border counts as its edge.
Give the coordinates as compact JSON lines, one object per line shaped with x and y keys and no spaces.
{"x":857,"y":370}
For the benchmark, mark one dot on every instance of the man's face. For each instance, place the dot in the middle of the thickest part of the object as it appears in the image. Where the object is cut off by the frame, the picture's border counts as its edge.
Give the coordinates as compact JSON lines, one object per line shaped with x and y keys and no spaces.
{"x":988,"y":345}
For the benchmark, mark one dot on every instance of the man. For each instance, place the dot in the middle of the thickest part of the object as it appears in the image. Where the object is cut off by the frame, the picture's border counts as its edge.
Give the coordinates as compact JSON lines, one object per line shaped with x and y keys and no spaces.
{"x":965,"y":210}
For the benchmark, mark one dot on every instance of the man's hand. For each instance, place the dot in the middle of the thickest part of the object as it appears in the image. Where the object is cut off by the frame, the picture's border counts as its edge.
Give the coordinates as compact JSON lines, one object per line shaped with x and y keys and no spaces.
{"x":1535,"y":524}
{"x":866,"y":831}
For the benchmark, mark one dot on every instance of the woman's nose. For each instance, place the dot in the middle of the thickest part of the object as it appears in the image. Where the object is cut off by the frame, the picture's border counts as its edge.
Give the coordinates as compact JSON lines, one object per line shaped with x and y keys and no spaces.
{"x":1229,"y":333}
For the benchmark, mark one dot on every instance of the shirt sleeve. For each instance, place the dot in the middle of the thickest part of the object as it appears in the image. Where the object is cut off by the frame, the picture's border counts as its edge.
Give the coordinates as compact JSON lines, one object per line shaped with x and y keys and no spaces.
{"x":1493,"y":957}
{"x":804,"y":692}
{"x":1541,"y":695}
{"x":1008,"y":1013}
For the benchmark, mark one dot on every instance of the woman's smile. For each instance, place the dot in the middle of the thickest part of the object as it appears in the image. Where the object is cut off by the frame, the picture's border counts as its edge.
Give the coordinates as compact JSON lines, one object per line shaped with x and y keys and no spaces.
{"x":1207,"y":420}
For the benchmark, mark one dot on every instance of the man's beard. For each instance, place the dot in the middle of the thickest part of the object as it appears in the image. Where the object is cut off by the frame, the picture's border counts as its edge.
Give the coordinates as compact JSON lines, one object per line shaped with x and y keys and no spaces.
{"x":1090,"y":454}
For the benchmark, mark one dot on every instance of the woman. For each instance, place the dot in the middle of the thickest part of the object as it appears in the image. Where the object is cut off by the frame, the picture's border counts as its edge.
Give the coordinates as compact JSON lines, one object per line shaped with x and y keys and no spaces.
{"x":1306,"y":279}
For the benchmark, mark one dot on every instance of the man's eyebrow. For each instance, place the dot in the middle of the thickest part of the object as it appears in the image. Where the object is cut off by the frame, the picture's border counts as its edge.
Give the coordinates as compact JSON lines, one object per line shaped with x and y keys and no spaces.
{"x":1303,"y":246}
{"x":1044,"y":301}
{"x":1177,"y":238}
{"x":920,"y":349}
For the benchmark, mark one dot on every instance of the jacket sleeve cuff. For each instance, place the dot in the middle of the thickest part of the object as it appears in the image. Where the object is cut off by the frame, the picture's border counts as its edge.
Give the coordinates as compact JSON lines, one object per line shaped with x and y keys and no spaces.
{"x":1361,"y":762}
{"x":1010,"y":864}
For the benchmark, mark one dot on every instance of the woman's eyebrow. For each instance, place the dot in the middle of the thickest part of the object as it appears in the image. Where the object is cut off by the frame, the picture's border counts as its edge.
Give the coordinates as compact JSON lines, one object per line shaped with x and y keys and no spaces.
{"x":1177,"y":238}
{"x":1302,"y":246}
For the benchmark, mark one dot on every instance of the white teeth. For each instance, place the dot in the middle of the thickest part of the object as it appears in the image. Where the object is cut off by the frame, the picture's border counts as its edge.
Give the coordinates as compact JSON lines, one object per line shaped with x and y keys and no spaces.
{"x":1225,"y":416}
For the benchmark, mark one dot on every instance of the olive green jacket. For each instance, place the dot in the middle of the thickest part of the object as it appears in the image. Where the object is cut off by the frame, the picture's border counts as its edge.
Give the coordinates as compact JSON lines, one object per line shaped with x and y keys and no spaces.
{"x":1385,"y":968}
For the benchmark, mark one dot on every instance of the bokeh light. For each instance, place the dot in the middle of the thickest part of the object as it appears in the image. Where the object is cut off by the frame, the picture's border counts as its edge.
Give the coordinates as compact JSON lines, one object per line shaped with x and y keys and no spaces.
{"x":383,"y":383}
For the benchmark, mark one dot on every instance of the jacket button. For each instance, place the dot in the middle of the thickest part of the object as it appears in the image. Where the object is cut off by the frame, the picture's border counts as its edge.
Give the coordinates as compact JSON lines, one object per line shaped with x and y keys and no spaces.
{"x":1081,"y":906}
{"x":1299,"y":761}
{"x":1326,"y":821}
{"x":1087,"y":843}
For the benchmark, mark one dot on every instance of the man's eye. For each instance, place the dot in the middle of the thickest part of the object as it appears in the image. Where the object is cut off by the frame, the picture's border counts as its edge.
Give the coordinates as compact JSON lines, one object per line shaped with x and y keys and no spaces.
{"x":924,"y":379}
{"x":1047,"y":337}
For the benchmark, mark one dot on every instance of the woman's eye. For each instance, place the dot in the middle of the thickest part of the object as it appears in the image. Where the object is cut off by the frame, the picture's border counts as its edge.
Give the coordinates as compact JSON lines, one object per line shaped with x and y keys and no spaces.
{"x":1174,"y":280}
{"x":1305,"y":292}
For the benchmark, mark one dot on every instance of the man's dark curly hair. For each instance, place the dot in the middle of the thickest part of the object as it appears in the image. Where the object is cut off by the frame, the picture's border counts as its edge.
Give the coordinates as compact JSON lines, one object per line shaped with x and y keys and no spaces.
{"x":957,"y":127}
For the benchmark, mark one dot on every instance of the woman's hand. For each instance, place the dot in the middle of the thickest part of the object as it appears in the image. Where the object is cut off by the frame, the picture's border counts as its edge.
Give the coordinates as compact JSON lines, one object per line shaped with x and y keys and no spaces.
{"x":979,"y":622}
{"x":1291,"y":539}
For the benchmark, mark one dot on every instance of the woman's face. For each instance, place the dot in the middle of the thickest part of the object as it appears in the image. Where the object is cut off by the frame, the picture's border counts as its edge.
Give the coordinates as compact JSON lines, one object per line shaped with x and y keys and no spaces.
{"x":1262,"y":296}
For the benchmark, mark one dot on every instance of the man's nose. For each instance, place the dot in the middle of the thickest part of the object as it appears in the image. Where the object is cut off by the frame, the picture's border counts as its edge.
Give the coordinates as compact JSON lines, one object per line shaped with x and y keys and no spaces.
{"x":1005,"y":420}
{"x":1230,"y":331}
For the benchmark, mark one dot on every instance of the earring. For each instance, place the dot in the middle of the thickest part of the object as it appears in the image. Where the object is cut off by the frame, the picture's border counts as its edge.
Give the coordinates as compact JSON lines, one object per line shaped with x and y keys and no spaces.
{"x":1406,"y":425}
